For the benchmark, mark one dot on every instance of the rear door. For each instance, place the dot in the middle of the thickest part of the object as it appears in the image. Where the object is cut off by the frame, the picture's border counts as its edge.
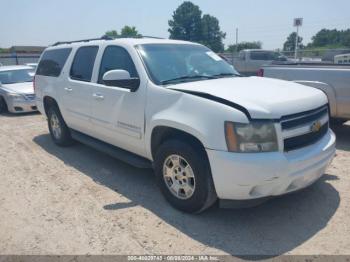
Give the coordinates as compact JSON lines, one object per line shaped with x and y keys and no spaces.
{"x":77,"y":92}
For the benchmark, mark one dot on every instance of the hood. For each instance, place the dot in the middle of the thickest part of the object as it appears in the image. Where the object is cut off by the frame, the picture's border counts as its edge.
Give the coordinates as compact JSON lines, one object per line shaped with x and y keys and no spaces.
{"x":20,"y":88}
{"x":263,"y":98}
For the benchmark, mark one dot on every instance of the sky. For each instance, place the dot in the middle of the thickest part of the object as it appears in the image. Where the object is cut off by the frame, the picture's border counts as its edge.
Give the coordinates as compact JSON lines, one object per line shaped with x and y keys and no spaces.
{"x":44,"y":22}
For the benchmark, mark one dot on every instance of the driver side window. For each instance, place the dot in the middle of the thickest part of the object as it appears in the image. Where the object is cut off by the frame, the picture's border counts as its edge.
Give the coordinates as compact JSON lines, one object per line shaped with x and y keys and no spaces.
{"x":115,"y":57}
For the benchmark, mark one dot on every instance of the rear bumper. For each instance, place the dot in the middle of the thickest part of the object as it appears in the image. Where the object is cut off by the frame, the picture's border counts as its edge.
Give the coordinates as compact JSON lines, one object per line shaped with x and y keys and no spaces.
{"x":252,"y":176}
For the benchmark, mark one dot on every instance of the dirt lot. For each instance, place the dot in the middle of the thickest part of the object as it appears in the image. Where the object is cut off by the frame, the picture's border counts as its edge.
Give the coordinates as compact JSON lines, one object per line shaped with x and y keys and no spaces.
{"x":79,"y":201}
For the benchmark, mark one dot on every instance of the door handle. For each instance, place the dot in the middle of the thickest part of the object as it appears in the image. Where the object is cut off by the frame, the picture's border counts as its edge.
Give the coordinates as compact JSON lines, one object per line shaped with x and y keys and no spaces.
{"x":98,"y":96}
{"x":68,"y":89}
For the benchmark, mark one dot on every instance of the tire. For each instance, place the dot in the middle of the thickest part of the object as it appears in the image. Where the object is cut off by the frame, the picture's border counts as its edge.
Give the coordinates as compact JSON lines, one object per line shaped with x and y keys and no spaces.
{"x":3,"y":105}
{"x":59,"y":131}
{"x":200,"y":193}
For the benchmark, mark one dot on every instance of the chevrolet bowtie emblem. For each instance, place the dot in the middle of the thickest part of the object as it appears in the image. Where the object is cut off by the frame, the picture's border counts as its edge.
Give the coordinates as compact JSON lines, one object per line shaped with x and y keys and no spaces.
{"x":315,"y":127}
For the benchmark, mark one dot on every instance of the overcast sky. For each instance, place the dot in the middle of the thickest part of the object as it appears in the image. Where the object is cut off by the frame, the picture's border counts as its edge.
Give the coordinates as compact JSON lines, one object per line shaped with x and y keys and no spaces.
{"x":43,"y":22}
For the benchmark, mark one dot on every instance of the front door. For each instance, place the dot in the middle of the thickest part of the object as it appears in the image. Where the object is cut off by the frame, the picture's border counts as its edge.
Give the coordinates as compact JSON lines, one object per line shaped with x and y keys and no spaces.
{"x":118,"y":114}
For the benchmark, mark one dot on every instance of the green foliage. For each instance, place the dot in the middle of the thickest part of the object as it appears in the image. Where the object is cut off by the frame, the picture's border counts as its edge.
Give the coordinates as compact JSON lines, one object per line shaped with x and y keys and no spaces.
{"x":129,"y":31}
{"x":212,"y":36}
{"x":289,"y":45}
{"x":188,"y":24}
{"x":336,"y":38}
{"x":112,"y":34}
{"x":126,"y":32}
{"x":4,"y":50}
{"x":244,"y":45}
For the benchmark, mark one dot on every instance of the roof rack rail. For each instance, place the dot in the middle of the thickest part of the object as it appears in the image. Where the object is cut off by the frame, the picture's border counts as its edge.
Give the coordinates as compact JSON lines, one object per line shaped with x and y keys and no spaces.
{"x":155,"y":37}
{"x":105,"y":37}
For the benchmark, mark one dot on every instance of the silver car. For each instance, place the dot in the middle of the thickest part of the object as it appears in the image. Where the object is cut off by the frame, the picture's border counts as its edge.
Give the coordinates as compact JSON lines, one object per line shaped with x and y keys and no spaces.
{"x":16,"y":89}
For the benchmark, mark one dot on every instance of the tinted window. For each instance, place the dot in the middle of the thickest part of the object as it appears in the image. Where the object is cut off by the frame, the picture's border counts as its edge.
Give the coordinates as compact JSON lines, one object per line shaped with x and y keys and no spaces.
{"x":260,"y":55}
{"x":52,"y":62}
{"x":83,"y":63}
{"x":116,"y":57}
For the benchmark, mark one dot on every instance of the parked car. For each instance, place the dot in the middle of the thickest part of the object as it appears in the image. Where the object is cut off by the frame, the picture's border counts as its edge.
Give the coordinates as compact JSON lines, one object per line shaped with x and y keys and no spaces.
{"x":249,"y":61}
{"x":332,"y":79}
{"x":16,"y":89}
{"x":178,"y":107}
{"x":33,"y":66}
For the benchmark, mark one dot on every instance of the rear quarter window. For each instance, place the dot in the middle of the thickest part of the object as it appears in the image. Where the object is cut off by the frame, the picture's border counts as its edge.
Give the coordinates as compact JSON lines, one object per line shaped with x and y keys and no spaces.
{"x":52,"y":62}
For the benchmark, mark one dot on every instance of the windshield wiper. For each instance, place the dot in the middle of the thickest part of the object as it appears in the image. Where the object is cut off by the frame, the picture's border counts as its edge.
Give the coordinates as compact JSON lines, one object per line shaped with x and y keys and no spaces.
{"x":186,"y":78}
{"x":225,"y":75}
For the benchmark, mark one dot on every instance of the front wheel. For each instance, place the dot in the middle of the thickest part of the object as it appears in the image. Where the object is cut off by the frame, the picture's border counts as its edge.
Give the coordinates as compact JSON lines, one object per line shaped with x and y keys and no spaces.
{"x":59,"y":131}
{"x":184,"y":176}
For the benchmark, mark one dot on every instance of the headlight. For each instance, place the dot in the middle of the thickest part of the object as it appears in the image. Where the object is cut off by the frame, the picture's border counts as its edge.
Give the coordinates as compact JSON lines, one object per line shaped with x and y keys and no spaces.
{"x":259,"y":136}
{"x":16,"y":97}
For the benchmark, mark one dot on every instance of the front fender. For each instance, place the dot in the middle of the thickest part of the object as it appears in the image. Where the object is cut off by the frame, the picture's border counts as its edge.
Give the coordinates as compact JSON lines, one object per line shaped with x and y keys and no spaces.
{"x":197,"y":116}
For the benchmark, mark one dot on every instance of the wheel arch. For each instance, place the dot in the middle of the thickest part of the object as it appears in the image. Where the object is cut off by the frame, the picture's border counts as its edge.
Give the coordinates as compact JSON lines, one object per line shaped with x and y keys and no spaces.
{"x":327,"y":89}
{"x":49,"y":101}
{"x":162,"y":133}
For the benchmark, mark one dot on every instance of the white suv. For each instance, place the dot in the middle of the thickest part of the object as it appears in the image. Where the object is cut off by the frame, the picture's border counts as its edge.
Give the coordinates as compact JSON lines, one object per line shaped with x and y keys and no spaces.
{"x":178,"y":107}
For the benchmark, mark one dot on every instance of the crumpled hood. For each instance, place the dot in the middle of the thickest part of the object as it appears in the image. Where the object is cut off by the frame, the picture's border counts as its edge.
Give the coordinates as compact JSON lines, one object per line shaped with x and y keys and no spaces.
{"x":264,"y":98}
{"x":20,"y":88}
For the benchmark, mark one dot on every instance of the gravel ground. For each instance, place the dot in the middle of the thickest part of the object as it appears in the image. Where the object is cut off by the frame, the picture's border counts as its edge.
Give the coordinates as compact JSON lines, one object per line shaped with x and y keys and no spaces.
{"x":78,"y":201}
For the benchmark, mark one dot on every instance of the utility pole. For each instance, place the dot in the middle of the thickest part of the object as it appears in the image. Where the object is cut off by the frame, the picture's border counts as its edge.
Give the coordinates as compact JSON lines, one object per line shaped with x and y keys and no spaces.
{"x":236,"y":49}
{"x":297,"y":23}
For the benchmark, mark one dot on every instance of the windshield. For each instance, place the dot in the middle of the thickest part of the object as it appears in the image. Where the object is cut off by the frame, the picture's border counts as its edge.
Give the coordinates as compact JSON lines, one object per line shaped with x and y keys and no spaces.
{"x":16,"y":76}
{"x":176,"y":63}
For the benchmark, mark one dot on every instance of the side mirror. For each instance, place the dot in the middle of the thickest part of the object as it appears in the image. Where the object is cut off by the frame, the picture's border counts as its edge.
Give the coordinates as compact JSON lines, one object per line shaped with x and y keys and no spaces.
{"x":122,"y":79}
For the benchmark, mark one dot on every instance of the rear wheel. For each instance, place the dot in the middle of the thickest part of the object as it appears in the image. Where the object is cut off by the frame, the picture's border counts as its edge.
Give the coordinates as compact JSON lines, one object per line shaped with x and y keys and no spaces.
{"x":59,"y":131}
{"x":3,"y":105}
{"x":184,"y":176}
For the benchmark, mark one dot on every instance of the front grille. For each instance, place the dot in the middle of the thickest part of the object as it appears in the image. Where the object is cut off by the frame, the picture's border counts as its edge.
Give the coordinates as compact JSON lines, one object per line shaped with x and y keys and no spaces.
{"x":30,"y":97}
{"x":304,"y":140}
{"x":304,"y":129}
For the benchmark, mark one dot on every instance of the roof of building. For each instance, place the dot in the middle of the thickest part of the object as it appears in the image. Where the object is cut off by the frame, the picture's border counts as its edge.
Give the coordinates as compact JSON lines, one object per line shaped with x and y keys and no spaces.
{"x":27,"y":49}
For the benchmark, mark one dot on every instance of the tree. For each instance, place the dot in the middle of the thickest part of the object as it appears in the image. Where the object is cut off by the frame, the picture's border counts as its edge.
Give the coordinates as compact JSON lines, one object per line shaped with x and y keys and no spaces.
{"x":289,"y":45}
{"x":244,"y":45}
{"x":112,"y":34}
{"x":212,"y":36}
{"x":129,"y":31}
{"x":331,"y":38}
{"x":186,"y":23}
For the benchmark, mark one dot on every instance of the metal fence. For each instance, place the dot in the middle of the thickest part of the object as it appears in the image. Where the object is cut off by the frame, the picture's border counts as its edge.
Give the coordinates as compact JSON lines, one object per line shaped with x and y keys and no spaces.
{"x":18,"y":59}
{"x":315,"y":55}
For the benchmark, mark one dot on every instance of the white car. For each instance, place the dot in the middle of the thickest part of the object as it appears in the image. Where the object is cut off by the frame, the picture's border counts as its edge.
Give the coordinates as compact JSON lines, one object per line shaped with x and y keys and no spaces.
{"x":16,"y":89}
{"x":178,"y":107}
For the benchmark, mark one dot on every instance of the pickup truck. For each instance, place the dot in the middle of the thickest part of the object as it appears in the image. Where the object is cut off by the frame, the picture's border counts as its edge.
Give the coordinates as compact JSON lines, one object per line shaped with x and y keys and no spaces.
{"x":333,"y":80}
{"x":249,"y":61}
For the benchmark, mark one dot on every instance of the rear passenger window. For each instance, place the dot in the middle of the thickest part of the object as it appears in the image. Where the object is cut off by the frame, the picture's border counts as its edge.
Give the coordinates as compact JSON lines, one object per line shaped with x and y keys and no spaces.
{"x":116,"y":57}
{"x":52,"y":62}
{"x":83,"y":63}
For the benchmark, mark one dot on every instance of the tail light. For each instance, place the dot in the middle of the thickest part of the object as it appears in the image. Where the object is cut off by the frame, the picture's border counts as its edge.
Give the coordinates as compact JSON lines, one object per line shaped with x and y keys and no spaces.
{"x":260,"y":72}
